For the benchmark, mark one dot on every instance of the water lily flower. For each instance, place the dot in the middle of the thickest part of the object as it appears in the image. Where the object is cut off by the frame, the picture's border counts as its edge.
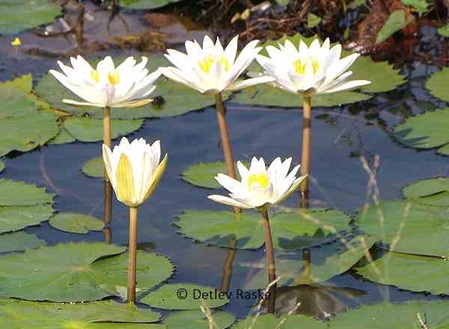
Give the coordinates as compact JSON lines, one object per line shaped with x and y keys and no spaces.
{"x":259,"y":187}
{"x":212,"y":69}
{"x":126,"y":85}
{"x":134,"y":169}
{"x":309,"y":70}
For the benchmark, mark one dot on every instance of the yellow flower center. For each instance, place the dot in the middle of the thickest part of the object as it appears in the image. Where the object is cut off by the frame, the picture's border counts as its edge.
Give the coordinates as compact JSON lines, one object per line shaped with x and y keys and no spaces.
{"x":300,"y":66}
{"x":113,"y":77}
{"x":95,"y":76}
{"x":261,"y":180}
{"x":206,"y":64}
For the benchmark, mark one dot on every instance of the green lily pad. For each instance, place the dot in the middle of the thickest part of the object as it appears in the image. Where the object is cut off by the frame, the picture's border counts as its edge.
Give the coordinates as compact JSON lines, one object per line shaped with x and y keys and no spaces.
{"x":313,"y":20}
{"x":269,"y":321}
{"x":290,"y":230}
{"x":76,"y":272}
{"x":197,"y":320}
{"x":19,"y":15}
{"x":437,"y":84}
{"x":93,"y":167}
{"x":397,"y":316}
{"x":202,"y":174}
{"x":76,"y":223}
{"x":444,"y":30}
{"x":185,"y":296}
{"x":146,"y":4}
{"x":23,"y":83}
{"x":23,"y":205}
{"x":2,"y":166}
{"x":408,"y":224}
{"x":419,"y":5}
{"x":425,"y":131}
{"x":19,"y":241}
{"x":431,"y":192}
{"x":32,"y":315}
{"x":410,"y":272}
{"x":14,"y":102}
{"x":177,"y":99}
{"x":339,"y":258}
{"x":395,"y":22}
{"x":124,"y":326}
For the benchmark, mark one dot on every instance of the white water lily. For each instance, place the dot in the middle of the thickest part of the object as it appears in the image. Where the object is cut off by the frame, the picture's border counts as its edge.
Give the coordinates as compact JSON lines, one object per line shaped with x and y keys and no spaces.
{"x":212,"y":69}
{"x":259,"y":187}
{"x":309,"y":70}
{"x":134,"y":169}
{"x":126,"y":85}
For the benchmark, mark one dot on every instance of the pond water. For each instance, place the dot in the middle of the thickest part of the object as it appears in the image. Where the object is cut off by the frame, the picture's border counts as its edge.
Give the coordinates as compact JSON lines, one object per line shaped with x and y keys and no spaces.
{"x":341,"y":135}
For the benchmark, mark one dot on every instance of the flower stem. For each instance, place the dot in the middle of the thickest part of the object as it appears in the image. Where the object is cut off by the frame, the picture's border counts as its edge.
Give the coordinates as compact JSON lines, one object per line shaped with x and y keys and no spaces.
{"x":132,"y":255}
{"x":107,"y":133}
{"x":306,"y":143}
{"x":107,"y":211}
{"x":225,"y":141}
{"x":271,"y":266}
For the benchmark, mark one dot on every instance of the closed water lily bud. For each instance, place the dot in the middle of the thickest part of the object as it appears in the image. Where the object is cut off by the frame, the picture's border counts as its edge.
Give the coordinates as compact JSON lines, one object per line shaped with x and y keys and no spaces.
{"x":134,"y":169}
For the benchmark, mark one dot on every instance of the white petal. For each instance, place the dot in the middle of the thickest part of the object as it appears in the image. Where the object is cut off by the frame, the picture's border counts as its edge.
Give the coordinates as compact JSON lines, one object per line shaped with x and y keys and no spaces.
{"x":228,"y":201}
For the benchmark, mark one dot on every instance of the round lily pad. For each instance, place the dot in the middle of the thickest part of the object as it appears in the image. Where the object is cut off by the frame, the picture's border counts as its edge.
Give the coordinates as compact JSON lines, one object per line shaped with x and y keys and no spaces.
{"x":19,"y":15}
{"x":32,"y":315}
{"x":290,"y":230}
{"x":437,"y":84}
{"x":408,"y":224}
{"x":202,"y":174}
{"x":425,"y":131}
{"x":268,"y":321}
{"x":185,"y":296}
{"x":176,"y":99}
{"x":431,"y":192}
{"x":22,"y":205}
{"x":146,"y":4}
{"x":197,"y":320}
{"x":17,"y":241}
{"x":397,"y":316}
{"x":2,"y":166}
{"x":23,"y":83}
{"x":76,"y":223}
{"x":410,"y":272}
{"x":76,"y":272}
{"x":94,"y":167}
{"x":339,"y":257}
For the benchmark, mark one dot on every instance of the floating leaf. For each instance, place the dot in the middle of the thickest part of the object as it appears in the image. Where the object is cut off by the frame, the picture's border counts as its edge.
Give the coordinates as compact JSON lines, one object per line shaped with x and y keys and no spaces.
{"x":23,"y":83}
{"x":395,"y":22}
{"x":408,"y":224}
{"x":411,"y":272}
{"x":339,"y":258}
{"x":22,"y":205}
{"x":18,"y":15}
{"x":425,"y":131}
{"x":197,"y":320}
{"x":444,"y":30}
{"x":93,"y":167}
{"x":313,"y":20}
{"x":431,"y":192}
{"x":32,"y":315}
{"x":282,"y":3}
{"x":245,"y":231}
{"x":2,"y":166}
{"x":145,"y":4}
{"x":202,"y":174}
{"x":185,"y":296}
{"x":437,"y":84}
{"x":269,"y":321}
{"x":76,"y":223}
{"x":419,"y":5}
{"x":397,"y":316}
{"x":19,"y":241}
{"x":76,"y":272}
{"x":177,"y":99}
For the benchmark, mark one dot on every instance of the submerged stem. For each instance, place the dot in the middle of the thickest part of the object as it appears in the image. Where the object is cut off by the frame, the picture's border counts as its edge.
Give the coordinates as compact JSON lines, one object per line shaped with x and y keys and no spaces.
{"x":224,"y":137}
{"x":271,"y":266}
{"x":132,"y":255}
{"x":306,"y":143}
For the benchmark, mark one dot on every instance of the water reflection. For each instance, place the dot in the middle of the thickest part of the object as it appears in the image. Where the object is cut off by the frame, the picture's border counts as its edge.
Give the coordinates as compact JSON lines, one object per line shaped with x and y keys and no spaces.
{"x":228,"y":266}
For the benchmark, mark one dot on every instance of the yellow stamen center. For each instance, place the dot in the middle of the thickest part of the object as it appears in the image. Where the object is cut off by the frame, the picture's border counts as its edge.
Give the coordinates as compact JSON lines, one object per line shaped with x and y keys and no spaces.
{"x":223,"y":61}
{"x":300,"y":65}
{"x":95,"y":76}
{"x":113,"y":77}
{"x":206,"y":64}
{"x":125,"y":180}
{"x":262,"y":180}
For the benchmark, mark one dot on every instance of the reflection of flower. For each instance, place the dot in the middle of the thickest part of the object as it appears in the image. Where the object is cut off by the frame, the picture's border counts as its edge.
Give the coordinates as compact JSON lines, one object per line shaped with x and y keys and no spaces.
{"x":134,"y":169}
{"x":259,"y":187}
{"x":212,"y":69}
{"x":123,"y":86}
{"x":309,"y":70}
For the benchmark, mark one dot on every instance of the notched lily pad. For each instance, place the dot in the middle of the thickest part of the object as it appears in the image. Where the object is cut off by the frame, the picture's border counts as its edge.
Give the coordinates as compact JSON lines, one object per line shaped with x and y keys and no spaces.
{"x":76,"y":223}
{"x":425,"y":131}
{"x":197,"y":320}
{"x":17,"y":241}
{"x":437,"y":84}
{"x":22,"y":205}
{"x":185,"y":296}
{"x":431,"y":192}
{"x":76,"y":272}
{"x":93,"y":167}
{"x":245,"y":231}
